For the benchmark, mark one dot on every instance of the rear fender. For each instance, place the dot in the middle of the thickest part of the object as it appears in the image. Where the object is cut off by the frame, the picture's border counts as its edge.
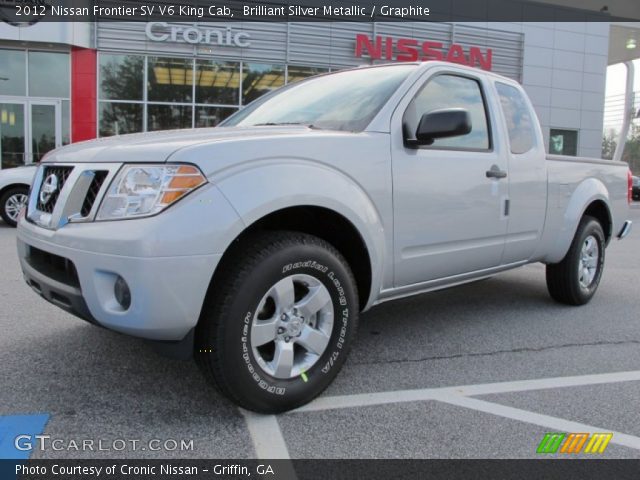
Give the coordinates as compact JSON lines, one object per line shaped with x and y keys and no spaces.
{"x":587,"y":192}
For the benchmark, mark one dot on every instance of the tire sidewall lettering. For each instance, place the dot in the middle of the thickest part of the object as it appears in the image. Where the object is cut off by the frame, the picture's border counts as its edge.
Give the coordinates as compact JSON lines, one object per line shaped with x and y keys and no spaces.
{"x":247,"y":357}
{"x":342,"y":316}
{"x":590,"y":290}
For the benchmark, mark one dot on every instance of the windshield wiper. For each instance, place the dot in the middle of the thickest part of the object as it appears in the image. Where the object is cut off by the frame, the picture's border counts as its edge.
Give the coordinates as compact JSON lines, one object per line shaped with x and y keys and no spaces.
{"x":274,"y":124}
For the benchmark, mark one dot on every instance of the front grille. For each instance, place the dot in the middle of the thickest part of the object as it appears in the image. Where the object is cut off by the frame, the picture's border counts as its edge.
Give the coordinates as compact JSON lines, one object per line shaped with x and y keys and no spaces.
{"x":92,"y":193}
{"x":52,"y":176}
{"x":53,"y":266}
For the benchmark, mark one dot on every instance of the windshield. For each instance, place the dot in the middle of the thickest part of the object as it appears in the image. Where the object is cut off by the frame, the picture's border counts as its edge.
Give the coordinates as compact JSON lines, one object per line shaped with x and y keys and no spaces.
{"x":340,"y":101}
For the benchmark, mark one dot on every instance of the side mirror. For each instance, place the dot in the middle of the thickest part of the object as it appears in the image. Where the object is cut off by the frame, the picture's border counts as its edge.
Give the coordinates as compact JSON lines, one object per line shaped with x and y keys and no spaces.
{"x":451,"y":122}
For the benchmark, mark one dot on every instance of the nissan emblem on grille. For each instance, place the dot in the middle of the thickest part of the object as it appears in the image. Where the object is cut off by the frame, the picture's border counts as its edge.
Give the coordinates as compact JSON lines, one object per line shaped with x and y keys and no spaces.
{"x":49,"y":187}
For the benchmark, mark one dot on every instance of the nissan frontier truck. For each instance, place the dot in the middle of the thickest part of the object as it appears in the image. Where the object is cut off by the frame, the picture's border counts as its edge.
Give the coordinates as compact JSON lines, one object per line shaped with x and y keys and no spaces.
{"x":253,"y":246}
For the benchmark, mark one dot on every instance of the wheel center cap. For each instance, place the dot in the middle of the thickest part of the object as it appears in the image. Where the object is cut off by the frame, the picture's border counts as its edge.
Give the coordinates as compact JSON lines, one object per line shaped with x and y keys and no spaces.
{"x":294,"y":326}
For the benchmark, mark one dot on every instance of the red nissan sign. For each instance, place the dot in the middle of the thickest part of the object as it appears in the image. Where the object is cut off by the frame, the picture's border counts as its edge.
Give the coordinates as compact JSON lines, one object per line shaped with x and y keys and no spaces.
{"x":411,"y":50}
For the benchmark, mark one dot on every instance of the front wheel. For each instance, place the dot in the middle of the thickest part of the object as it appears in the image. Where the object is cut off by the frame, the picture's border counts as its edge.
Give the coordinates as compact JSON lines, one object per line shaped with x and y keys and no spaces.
{"x":278,"y":322}
{"x":575,"y":279}
{"x":11,"y":202}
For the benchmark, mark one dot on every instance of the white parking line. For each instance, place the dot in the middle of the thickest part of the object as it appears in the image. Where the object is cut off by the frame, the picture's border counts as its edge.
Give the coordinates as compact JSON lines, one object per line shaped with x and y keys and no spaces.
{"x":545,"y":383}
{"x":270,"y":444}
{"x":268,"y":441}
{"x":402,"y":396}
{"x":266,"y":435}
{"x":547,"y":421}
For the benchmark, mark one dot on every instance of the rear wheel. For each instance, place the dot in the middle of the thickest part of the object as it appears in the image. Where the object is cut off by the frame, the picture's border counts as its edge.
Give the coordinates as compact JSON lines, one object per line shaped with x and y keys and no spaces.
{"x":575,"y":279}
{"x":278,"y":322}
{"x":11,"y":202}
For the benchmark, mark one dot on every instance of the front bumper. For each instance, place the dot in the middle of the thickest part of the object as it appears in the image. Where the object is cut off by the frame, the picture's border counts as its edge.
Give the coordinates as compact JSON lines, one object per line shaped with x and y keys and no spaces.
{"x":167,"y":293}
{"x":167,"y":261}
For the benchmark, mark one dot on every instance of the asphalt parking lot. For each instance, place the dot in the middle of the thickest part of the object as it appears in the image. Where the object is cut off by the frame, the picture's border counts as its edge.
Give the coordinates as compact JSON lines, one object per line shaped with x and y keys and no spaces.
{"x":480,"y":371}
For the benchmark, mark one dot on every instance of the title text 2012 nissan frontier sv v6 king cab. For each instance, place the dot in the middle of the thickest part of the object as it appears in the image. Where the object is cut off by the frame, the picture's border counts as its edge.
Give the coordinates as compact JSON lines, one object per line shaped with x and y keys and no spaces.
{"x":255,"y":244}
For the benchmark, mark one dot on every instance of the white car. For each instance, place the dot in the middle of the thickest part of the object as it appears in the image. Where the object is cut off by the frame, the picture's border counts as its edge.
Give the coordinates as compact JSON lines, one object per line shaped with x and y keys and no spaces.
{"x":14,"y":189}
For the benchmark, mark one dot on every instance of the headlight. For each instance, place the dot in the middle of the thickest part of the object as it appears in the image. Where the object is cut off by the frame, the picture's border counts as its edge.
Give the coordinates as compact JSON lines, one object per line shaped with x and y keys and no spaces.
{"x":143,"y":190}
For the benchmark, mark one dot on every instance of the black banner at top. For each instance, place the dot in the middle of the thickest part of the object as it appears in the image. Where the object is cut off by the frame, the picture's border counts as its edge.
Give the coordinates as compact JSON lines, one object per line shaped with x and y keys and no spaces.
{"x":24,"y":12}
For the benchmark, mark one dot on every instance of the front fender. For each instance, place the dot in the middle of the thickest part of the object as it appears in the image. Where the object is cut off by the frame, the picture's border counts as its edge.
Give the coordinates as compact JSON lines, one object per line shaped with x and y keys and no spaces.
{"x":257,"y":190}
{"x":587,"y":192}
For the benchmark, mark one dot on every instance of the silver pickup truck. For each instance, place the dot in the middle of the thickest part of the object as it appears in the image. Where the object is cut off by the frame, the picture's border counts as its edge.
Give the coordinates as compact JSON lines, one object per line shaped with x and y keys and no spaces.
{"x":254,"y":245}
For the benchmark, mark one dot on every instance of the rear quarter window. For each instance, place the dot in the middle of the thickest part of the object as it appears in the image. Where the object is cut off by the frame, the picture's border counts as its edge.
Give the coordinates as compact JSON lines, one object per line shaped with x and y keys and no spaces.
{"x":518,"y":118}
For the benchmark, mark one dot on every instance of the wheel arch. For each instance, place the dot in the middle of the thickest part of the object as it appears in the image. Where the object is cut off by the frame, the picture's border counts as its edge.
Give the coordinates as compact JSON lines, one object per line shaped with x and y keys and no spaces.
{"x":599,"y":210}
{"x":591,"y":197}
{"x":4,"y":191}
{"x":6,"y":188}
{"x":321,"y":222}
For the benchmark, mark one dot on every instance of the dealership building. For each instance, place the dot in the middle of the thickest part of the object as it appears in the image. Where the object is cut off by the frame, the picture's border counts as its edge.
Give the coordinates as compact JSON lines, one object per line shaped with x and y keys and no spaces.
{"x":67,"y":82}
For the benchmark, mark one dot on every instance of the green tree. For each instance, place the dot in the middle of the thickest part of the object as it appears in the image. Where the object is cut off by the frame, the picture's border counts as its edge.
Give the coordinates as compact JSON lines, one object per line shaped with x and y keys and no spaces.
{"x":631,"y":153}
{"x":609,"y":145}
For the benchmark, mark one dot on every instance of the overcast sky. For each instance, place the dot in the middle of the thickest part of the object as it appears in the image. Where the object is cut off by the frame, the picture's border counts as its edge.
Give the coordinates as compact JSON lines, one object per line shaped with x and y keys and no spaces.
{"x":616,"y":83}
{"x":617,"y":78}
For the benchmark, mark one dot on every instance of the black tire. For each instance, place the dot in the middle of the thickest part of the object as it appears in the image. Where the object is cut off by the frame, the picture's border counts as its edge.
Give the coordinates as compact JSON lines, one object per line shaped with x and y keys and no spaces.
{"x":223,"y":338}
{"x":4,"y":202}
{"x":563,"y":279}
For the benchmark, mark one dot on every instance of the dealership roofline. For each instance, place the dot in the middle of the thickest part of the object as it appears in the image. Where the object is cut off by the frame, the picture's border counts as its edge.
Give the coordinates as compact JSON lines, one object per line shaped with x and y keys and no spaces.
{"x":620,"y":36}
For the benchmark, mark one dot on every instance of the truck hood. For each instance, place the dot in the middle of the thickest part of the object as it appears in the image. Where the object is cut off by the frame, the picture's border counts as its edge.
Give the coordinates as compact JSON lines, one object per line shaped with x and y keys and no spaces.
{"x":157,"y":147}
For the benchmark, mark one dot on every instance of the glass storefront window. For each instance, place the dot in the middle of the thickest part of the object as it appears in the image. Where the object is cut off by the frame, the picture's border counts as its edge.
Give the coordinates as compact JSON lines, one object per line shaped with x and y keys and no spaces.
{"x":12,"y":135}
{"x":260,"y":78}
{"x":563,"y":142}
{"x":181,"y":92}
{"x":217,"y":82}
{"x":296,"y":73}
{"x":170,"y":79}
{"x":43,"y":130}
{"x":39,"y":119}
{"x":66,"y":122}
{"x":120,"y":118}
{"x":212,"y":116}
{"x":49,"y":74}
{"x":12,"y":72}
{"x":121,"y":77}
{"x":168,"y":117}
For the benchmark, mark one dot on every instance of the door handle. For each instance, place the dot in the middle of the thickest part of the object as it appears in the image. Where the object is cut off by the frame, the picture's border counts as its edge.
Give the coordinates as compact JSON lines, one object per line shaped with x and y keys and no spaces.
{"x":495,"y":172}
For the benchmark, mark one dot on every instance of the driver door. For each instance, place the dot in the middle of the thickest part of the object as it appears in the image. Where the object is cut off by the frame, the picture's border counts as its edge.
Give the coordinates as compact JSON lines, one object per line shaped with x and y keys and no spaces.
{"x":449,"y":216}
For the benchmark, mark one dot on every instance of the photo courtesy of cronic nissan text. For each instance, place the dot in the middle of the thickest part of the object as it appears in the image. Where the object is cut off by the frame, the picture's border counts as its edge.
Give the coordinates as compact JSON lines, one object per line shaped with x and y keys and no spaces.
{"x":319,"y":239}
